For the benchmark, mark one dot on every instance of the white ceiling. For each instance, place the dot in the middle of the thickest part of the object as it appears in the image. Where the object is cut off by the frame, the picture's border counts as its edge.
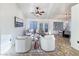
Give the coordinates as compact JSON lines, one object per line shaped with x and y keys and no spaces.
{"x":52,"y":10}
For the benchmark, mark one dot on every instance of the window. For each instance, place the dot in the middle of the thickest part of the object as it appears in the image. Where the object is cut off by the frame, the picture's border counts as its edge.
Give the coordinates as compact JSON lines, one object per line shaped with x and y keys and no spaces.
{"x":58,"y":26}
{"x":33,"y":25}
{"x":46,"y":27}
{"x":41,"y":26}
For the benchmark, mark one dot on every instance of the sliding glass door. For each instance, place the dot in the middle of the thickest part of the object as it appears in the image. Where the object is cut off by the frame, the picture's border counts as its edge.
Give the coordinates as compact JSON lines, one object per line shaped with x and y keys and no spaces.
{"x":41,"y":26}
{"x":33,"y":25}
{"x":46,"y":27}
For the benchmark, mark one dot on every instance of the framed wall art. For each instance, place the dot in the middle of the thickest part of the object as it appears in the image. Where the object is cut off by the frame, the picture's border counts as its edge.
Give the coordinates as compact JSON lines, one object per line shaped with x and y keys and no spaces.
{"x":18,"y":22}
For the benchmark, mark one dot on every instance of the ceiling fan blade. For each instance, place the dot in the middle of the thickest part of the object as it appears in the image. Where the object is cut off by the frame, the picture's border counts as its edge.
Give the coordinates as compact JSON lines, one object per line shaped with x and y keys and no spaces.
{"x":37,"y":12}
{"x":42,"y":12}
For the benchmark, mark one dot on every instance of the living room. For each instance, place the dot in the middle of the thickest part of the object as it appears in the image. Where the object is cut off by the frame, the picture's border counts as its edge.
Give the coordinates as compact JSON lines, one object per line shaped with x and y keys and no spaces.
{"x":36,"y":29}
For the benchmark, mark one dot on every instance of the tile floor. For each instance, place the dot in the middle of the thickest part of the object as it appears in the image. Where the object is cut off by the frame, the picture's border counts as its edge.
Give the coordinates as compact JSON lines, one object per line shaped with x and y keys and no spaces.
{"x":63,"y":48}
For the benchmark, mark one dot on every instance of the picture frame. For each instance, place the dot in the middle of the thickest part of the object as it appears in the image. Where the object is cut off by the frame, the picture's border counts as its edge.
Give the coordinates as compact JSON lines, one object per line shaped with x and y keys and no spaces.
{"x":18,"y":22}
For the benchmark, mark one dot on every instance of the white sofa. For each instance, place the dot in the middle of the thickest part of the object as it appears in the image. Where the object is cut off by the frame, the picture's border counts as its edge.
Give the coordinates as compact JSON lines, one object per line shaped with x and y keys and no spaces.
{"x":23,"y":44}
{"x":47,"y":43}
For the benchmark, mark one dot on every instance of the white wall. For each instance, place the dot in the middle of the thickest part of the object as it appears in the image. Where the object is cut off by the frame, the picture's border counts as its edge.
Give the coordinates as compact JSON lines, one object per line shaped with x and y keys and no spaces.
{"x":75,"y":26}
{"x":0,"y":42}
{"x":7,"y":13}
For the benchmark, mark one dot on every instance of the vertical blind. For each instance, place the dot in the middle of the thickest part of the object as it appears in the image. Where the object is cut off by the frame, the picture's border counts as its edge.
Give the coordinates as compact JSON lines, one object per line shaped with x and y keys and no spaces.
{"x":41,"y":26}
{"x":33,"y":25}
{"x":46,"y":27}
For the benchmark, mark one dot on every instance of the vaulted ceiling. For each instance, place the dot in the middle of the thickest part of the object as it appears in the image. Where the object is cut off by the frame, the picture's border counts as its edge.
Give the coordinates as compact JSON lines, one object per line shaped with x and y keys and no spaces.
{"x":52,"y":10}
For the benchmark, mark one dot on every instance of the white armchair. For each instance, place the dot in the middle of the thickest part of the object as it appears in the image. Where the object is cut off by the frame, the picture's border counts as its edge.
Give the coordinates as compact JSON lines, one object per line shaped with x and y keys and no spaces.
{"x":23,"y":44}
{"x":47,"y":43}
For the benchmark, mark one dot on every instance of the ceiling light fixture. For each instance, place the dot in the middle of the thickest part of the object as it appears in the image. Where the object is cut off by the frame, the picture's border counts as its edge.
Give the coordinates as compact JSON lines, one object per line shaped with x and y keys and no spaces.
{"x":38,"y":12}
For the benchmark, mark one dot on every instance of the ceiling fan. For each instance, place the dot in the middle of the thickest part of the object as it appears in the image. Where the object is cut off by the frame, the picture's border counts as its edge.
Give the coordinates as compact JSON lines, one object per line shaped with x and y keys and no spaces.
{"x":38,"y":11}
